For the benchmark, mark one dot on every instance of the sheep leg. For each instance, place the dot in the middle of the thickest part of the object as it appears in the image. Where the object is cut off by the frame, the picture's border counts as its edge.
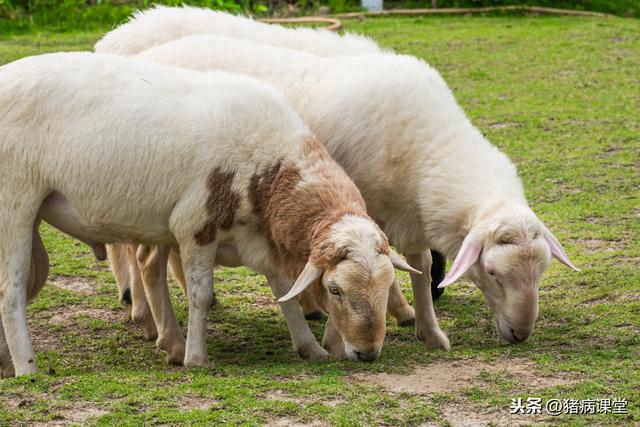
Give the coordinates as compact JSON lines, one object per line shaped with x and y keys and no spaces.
{"x":427,"y":329}
{"x":175,"y":262}
{"x":438,"y":267}
{"x":6,"y":365}
{"x":37,"y":278}
{"x":310,"y":308}
{"x":140,"y":311}
{"x":332,"y":341}
{"x":15,"y":270}
{"x":398,"y":306}
{"x":304,"y":343}
{"x":153,"y":267}
{"x":198,"y":263}
{"x":118,"y":261}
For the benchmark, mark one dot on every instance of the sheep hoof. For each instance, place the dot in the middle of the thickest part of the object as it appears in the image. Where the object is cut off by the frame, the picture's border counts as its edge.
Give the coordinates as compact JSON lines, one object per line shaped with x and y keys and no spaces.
{"x":145,"y":321}
{"x":313,"y":353}
{"x":435,"y":340}
{"x":197,"y":362}
{"x":175,"y":356}
{"x":316,"y":315}
{"x":174,"y":347}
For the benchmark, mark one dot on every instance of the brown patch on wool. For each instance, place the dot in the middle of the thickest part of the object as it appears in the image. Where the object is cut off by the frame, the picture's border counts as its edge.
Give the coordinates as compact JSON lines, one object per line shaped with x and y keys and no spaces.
{"x":312,"y":148}
{"x":297,"y":216}
{"x":221,"y":206}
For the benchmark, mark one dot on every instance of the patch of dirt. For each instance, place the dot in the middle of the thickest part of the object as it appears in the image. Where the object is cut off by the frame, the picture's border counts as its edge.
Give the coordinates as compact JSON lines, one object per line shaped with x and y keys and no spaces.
{"x":451,"y":376}
{"x":68,"y":316}
{"x":258,"y":300}
{"x":77,"y":413}
{"x":502,"y":125}
{"x":46,"y":337}
{"x":189,"y":403}
{"x":66,"y":413}
{"x":600,"y":245}
{"x":281,"y":396}
{"x":596,"y":301}
{"x":466,"y":415}
{"x":332,"y":403}
{"x":75,"y":284}
{"x":292,"y":422}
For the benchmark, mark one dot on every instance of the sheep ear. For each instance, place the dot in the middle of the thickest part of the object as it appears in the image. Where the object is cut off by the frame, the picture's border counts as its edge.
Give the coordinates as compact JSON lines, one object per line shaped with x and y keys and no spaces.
{"x":556,"y":249}
{"x":309,"y":275}
{"x":467,"y":256}
{"x":400,"y":263}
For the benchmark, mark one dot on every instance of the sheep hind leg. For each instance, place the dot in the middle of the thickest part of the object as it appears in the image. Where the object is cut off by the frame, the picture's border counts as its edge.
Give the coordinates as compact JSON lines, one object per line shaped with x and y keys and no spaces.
{"x":118,"y":261}
{"x":153,"y":266}
{"x":304,"y":343}
{"x":140,"y":310}
{"x":427,"y":328}
{"x":399,"y":308}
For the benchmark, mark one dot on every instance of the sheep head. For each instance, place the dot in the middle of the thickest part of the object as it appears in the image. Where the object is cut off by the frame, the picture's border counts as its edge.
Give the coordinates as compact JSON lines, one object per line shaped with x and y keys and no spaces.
{"x":506,"y":255}
{"x":353,"y":270}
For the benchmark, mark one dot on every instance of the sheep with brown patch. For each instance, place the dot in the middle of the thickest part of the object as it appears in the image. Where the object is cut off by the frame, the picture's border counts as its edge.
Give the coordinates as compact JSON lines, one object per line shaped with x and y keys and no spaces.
{"x":112,"y":149}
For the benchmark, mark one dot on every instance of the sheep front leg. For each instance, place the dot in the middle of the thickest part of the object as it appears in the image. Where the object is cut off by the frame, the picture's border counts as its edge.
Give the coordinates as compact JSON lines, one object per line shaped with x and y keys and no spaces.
{"x":6,"y":365}
{"x":304,"y":343}
{"x":198,"y":262}
{"x":140,"y":310}
{"x":399,"y":308}
{"x":175,"y":262}
{"x":332,"y":341}
{"x":427,"y":329}
{"x":153,"y":267}
{"x":15,"y":269}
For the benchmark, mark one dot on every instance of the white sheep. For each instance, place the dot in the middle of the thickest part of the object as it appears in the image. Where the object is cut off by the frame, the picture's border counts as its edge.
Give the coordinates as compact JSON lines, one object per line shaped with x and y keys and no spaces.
{"x":428,"y":175}
{"x":112,"y":149}
{"x":160,"y":24}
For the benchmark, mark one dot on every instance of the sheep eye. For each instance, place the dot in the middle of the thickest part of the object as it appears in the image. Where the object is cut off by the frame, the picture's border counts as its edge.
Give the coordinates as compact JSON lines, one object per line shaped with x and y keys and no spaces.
{"x":505,"y":241}
{"x":334,"y":290}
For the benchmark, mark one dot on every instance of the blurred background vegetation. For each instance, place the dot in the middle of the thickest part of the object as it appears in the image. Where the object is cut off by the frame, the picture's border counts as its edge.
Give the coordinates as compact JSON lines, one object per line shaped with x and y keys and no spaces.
{"x":82,"y":15}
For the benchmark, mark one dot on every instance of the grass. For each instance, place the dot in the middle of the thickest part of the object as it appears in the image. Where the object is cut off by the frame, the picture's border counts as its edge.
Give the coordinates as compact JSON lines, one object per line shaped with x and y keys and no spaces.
{"x":561,"y":97}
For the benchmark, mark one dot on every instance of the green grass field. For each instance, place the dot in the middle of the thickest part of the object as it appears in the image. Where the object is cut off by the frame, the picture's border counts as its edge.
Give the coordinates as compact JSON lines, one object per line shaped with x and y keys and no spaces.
{"x":561,"y":96}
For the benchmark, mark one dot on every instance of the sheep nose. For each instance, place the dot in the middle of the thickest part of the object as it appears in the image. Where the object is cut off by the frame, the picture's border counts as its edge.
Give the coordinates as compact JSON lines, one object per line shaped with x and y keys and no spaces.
{"x":519,"y":336}
{"x":367,"y":356}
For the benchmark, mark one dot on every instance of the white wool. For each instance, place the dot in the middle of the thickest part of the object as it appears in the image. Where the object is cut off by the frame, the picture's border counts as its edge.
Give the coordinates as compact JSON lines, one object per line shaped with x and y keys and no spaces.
{"x":390,"y":121}
{"x":161,"y":24}
{"x":130,"y":144}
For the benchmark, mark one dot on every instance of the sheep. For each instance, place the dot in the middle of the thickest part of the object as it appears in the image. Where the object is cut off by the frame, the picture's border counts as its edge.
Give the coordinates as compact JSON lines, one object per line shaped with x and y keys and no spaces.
{"x":112,"y":149}
{"x":161,"y":24}
{"x":429,"y":177}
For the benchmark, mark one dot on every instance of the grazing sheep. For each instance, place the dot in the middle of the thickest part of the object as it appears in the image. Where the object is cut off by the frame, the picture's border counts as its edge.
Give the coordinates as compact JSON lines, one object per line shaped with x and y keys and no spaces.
{"x":158,"y":25}
{"x":428,"y":175}
{"x":112,"y":149}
